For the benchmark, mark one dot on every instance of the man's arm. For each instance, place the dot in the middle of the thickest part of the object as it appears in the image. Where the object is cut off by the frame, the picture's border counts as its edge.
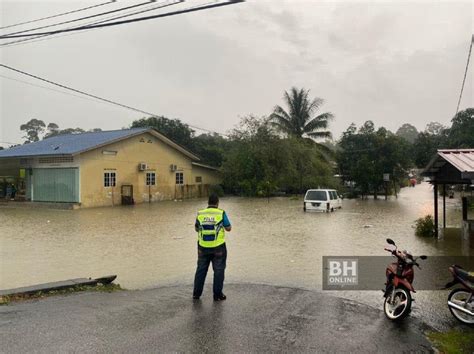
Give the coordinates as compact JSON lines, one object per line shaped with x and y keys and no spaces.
{"x":196,"y":225}
{"x":226,"y":222}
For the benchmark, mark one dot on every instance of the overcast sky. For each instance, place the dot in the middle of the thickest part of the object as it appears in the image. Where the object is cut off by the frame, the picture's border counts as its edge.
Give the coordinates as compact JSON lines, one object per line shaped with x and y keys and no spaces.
{"x":388,"y":61}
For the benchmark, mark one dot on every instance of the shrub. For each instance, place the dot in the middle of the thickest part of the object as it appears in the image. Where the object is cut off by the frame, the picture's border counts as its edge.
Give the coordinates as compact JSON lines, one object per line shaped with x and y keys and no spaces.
{"x":217,"y":189}
{"x":425,"y":226}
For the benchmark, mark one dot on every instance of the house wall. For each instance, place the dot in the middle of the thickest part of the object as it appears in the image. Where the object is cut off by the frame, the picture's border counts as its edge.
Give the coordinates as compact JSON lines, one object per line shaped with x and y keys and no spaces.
{"x":144,"y":148}
{"x":208,"y":176}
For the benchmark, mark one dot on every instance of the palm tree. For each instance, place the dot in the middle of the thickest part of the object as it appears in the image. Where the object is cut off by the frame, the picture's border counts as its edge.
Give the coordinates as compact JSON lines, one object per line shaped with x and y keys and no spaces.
{"x":299,"y":120}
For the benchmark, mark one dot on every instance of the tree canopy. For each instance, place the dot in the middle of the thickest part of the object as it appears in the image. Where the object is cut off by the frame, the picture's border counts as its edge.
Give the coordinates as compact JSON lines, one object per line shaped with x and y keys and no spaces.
{"x":407,"y":132}
{"x":260,"y":162}
{"x":173,"y":129}
{"x":367,"y":154}
{"x":33,"y":129}
{"x":299,"y":119}
{"x":461,"y":134}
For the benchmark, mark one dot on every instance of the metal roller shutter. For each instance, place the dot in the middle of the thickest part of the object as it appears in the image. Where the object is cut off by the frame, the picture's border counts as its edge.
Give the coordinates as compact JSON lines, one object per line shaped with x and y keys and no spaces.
{"x":55,"y":185}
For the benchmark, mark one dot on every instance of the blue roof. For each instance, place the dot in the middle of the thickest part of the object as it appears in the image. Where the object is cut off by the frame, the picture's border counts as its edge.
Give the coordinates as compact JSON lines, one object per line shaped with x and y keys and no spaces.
{"x":70,"y":144}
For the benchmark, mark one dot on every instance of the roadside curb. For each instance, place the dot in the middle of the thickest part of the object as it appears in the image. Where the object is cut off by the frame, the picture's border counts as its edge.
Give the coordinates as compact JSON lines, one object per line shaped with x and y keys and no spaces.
{"x":58,"y":285}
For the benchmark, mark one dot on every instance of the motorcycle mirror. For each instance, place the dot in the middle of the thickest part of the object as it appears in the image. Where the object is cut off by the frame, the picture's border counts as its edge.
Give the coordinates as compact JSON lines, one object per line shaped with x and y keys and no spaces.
{"x":423,"y":257}
{"x":390,"y":241}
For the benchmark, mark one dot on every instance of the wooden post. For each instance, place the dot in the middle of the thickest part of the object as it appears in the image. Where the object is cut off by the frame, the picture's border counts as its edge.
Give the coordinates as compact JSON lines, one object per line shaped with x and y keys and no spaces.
{"x":444,"y":205}
{"x":464,"y":208}
{"x":435,"y":189}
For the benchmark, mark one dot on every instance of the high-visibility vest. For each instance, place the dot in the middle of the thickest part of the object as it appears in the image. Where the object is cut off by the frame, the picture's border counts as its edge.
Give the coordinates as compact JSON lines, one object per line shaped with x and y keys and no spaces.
{"x":211,"y":228}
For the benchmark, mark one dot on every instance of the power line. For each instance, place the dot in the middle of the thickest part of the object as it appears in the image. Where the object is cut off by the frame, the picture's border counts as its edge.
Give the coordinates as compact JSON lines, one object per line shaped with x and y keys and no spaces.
{"x":99,"y":98}
{"x":83,"y":18}
{"x":49,"y":88}
{"x":61,"y":14}
{"x":173,"y":13}
{"x":465,"y":74}
{"x":31,"y":40}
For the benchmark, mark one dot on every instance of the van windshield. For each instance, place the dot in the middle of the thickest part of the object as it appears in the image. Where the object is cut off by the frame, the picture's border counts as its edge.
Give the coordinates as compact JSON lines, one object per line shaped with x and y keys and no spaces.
{"x":316,"y":195}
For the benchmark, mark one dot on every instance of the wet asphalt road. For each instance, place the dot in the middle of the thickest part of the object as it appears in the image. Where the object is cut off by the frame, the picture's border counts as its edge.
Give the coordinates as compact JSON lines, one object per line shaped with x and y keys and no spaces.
{"x":255,"y":318}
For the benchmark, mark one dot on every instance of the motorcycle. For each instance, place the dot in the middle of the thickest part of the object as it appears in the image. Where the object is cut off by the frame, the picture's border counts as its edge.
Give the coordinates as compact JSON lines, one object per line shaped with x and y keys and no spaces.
{"x":461,"y":300}
{"x":398,"y":288}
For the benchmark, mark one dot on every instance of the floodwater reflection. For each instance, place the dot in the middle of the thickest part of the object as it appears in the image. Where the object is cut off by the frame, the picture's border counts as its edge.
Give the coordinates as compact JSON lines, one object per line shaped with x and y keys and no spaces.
{"x":152,"y":245}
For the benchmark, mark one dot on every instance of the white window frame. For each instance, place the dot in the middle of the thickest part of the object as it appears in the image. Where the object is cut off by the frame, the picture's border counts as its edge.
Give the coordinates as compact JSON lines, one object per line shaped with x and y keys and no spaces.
{"x":150,"y":178}
{"x":109,"y":180}
{"x":179,"y":181}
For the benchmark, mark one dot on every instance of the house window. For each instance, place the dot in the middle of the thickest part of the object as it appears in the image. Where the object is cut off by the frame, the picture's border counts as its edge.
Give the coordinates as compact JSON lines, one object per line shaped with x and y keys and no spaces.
{"x":179,"y":178}
{"x":150,"y":178}
{"x":109,"y":179}
{"x":198,"y":179}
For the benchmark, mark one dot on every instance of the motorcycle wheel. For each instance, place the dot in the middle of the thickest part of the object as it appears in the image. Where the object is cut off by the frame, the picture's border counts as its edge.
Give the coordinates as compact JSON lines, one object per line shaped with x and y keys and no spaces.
{"x":401,"y":305}
{"x":459,"y":297}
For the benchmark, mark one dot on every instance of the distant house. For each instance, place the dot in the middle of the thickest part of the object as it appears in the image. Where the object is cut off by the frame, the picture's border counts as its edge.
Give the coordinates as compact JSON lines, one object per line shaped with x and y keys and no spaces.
{"x":106,"y":168}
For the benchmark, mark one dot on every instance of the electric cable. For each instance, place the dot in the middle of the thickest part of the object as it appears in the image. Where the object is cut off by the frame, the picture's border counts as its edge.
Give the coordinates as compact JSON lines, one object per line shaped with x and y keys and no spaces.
{"x":50,"y":89}
{"x":100,"y":98}
{"x":82,"y":18}
{"x":37,"y":38}
{"x":167,"y":14}
{"x":61,"y":14}
{"x":465,"y":74}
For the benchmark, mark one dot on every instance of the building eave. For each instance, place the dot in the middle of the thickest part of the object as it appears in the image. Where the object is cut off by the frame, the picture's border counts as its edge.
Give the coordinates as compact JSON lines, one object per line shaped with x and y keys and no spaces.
{"x":204,"y":166}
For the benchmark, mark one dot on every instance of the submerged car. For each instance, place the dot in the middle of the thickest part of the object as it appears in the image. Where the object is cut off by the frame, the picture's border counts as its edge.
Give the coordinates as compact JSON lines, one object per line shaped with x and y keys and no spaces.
{"x":322,"y":200}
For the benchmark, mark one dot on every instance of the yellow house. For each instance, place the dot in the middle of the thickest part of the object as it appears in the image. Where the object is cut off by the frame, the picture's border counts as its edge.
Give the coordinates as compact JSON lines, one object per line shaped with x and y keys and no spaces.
{"x":107,"y":168}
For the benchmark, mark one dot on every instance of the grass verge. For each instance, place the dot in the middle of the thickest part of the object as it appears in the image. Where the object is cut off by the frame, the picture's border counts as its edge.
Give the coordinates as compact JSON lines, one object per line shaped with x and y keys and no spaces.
{"x":454,"y":341}
{"x":5,"y":300}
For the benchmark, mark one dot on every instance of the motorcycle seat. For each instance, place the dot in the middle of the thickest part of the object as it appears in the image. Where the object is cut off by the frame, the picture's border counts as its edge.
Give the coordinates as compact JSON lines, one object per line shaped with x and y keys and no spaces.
{"x":464,"y":275}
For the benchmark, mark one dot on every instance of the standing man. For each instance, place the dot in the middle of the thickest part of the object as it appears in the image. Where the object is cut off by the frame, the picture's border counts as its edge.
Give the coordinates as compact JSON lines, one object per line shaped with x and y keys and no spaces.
{"x":211,"y":225}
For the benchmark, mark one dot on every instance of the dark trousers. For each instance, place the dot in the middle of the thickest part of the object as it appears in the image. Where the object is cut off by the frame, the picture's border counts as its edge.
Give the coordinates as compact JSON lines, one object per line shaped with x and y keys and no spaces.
{"x":218,"y":257}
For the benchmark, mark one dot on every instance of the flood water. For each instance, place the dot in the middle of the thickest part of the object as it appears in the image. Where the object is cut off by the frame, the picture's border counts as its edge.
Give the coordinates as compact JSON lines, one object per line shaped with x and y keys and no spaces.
{"x":152,"y":245}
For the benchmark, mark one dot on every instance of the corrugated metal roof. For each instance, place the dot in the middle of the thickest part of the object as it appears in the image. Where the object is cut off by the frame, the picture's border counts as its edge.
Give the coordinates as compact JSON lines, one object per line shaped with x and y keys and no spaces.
{"x":70,"y":144}
{"x":460,"y":159}
{"x":73,"y":144}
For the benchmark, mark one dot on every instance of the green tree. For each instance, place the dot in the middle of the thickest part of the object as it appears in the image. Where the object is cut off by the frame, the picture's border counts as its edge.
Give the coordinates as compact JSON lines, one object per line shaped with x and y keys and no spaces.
{"x":210,"y":148}
{"x":33,"y":128}
{"x":435,"y":128}
{"x":299,"y":119}
{"x":367,"y":154}
{"x":55,"y":131}
{"x":259,"y":161}
{"x":434,"y":137}
{"x":173,"y":129}
{"x":407,"y":132}
{"x":461,"y":134}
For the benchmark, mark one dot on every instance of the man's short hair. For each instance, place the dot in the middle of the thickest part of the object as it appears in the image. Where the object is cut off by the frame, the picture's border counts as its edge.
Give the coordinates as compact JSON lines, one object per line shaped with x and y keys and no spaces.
{"x":213,"y":199}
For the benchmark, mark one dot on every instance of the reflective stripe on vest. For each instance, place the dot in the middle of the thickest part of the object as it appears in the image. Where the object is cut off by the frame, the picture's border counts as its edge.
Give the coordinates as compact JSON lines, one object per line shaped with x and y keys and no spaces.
{"x":211,"y":228}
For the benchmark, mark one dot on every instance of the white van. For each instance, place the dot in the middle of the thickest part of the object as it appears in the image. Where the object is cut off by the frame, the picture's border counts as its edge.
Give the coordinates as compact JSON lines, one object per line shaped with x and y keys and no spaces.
{"x":322,"y":200}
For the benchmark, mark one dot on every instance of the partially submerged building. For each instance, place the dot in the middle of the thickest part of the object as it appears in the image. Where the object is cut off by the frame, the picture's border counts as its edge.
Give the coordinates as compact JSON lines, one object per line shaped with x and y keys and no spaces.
{"x":106,"y":168}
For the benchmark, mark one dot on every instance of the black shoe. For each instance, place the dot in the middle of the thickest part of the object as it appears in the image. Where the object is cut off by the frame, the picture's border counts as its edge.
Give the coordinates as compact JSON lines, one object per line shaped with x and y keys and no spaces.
{"x":220,"y":297}
{"x":196,"y":297}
